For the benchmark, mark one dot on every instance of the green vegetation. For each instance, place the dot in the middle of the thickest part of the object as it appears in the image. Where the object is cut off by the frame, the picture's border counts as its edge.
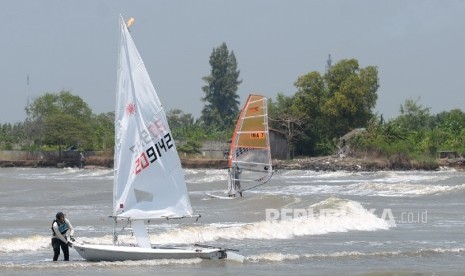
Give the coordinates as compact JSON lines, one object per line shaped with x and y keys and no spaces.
{"x":190,"y":134}
{"x":58,"y":121}
{"x":415,"y":134}
{"x":221,"y":99}
{"x":323,"y":109}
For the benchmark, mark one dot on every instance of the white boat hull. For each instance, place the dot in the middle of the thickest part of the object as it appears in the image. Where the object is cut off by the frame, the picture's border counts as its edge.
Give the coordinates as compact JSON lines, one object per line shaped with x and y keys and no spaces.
{"x":113,"y":253}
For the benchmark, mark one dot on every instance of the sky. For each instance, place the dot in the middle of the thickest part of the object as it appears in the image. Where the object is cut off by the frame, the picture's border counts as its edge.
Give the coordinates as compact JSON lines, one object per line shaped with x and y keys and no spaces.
{"x":418,"y":47}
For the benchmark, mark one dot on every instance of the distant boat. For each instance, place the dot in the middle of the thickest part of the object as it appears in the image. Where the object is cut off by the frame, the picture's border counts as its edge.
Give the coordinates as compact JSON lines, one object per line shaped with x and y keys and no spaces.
{"x":149,"y":181}
{"x":249,"y":159}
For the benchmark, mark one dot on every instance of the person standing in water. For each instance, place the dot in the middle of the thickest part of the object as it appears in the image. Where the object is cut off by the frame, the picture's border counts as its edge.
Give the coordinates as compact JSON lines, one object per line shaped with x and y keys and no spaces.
{"x":62,"y":236}
{"x":236,"y":182}
{"x":82,"y":160}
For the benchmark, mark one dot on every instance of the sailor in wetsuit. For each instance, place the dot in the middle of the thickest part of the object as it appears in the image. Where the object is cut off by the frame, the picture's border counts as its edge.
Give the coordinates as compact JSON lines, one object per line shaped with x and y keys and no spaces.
{"x":236,"y":172}
{"x":62,"y":235}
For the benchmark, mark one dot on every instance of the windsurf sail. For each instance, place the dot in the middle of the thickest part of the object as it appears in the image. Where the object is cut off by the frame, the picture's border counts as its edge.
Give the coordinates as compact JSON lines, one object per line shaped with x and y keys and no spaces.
{"x":249,"y":160}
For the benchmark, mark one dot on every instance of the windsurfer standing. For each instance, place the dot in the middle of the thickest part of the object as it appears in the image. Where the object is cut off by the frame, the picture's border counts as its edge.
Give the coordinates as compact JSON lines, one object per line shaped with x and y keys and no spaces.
{"x":236,"y":172}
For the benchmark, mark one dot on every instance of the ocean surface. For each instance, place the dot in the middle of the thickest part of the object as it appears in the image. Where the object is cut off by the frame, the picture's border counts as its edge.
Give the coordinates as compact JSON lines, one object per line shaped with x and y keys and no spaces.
{"x":300,"y":223}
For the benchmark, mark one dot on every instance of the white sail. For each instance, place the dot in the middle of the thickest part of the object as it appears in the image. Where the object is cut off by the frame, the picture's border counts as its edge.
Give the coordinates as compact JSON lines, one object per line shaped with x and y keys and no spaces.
{"x":149,"y":180}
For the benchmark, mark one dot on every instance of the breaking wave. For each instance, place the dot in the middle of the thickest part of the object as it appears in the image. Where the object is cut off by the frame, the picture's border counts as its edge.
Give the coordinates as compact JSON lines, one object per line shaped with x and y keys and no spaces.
{"x":347,"y":216}
{"x":368,"y":189}
{"x":280,"y":257}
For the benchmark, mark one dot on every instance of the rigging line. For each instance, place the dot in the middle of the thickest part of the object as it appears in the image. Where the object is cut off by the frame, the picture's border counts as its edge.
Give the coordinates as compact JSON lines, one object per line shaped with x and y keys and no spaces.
{"x":255,"y":186}
{"x":251,"y":163}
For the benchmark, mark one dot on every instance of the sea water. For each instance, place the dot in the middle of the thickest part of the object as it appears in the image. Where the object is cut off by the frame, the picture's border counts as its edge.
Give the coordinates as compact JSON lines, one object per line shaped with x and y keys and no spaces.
{"x":300,"y":223}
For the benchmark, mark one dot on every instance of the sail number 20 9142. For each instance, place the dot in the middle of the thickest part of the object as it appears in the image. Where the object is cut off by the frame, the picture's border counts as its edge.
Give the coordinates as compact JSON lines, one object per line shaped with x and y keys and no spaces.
{"x":152,"y":154}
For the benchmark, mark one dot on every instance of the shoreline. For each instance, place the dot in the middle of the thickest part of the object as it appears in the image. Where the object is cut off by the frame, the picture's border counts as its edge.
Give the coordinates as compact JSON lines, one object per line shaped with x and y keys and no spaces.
{"x":324,"y":163}
{"x":351,"y":164}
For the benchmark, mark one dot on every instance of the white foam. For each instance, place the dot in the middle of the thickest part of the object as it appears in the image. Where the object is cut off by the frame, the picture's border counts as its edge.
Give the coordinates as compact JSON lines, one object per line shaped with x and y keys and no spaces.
{"x":408,"y":177}
{"x":83,"y":264}
{"x":402,"y":189}
{"x":350,"y":216}
{"x":24,"y":244}
{"x":71,"y":174}
{"x":366,"y":188}
{"x":308,"y":174}
{"x":272,"y":257}
{"x":205,"y":176}
{"x":280,"y":257}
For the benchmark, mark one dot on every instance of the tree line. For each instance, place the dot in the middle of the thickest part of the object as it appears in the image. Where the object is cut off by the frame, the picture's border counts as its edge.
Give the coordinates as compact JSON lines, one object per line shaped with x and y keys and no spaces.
{"x":324,"y":107}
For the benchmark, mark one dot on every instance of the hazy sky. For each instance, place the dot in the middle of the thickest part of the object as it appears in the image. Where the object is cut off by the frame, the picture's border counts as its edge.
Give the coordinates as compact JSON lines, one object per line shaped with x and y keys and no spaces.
{"x":418,"y":47}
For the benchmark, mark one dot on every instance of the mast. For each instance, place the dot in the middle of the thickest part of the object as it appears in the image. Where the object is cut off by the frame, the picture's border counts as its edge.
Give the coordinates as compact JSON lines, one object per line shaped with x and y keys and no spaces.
{"x":329,"y":63}
{"x":27,"y":90}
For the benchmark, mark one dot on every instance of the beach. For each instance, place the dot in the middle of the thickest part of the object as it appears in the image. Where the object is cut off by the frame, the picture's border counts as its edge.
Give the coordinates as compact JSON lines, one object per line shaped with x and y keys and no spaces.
{"x":323,"y":163}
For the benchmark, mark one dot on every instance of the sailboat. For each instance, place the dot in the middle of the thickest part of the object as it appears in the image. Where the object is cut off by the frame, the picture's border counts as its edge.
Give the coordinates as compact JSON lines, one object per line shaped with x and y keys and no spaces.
{"x":148,"y":178}
{"x":249,"y":159}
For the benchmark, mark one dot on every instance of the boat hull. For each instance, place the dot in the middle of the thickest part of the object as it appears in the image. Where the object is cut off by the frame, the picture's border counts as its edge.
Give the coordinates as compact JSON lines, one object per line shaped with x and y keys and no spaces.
{"x":113,"y":253}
